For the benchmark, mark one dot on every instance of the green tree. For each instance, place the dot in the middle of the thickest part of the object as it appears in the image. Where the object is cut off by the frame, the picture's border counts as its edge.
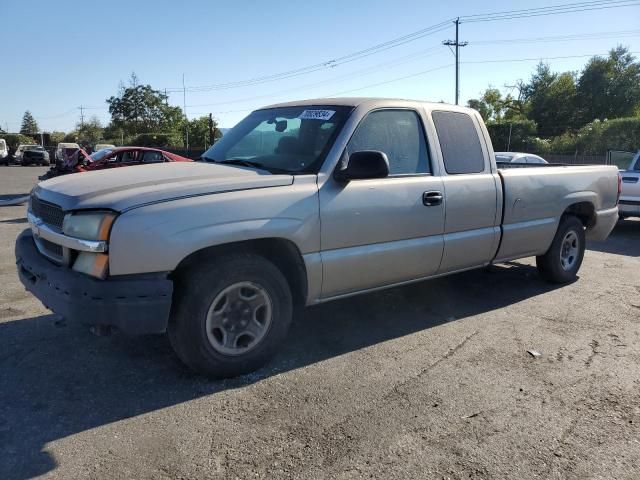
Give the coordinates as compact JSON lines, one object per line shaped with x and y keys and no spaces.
{"x":29,"y":124}
{"x":90,"y":132}
{"x":56,"y":137}
{"x":609,"y":87}
{"x":199,"y":133}
{"x":141,"y":109}
{"x":551,"y":99}
{"x":494,"y":107}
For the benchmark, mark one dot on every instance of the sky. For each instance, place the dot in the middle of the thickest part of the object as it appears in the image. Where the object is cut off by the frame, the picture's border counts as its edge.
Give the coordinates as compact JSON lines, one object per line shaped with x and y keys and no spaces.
{"x":58,"y":56}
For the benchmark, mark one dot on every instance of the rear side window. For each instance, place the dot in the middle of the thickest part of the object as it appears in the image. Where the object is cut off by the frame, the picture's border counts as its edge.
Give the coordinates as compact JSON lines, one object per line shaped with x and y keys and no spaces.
{"x":397,"y":133}
{"x":459,"y":142}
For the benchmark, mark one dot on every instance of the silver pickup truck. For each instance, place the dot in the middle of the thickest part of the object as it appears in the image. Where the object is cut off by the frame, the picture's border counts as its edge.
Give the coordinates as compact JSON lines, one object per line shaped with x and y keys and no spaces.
{"x":300,"y":203}
{"x":630,"y":196}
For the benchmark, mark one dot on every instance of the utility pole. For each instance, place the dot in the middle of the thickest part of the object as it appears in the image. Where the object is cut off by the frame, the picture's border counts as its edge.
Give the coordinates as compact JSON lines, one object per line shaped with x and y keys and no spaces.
{"x":81,"y":116}
{"x":457,"y":43}
{"x":184,"y":110}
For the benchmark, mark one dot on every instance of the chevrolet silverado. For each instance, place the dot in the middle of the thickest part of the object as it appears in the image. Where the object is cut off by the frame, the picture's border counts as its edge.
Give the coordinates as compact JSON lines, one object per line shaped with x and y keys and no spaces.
{"x":300,"y":203}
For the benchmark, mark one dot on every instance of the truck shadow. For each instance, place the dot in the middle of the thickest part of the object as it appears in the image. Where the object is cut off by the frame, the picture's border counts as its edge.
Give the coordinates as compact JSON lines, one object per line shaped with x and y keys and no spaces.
{"x":624,"y":240}
{"x":58,"y":380}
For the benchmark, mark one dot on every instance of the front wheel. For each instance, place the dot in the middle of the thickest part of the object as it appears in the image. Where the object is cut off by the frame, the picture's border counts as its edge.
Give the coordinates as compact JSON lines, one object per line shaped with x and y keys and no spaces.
{"x":560,"y":264}
{"x":231,"y":314}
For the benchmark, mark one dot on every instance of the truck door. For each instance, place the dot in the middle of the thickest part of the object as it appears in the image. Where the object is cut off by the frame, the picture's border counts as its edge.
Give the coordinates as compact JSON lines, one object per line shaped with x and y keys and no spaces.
{"x":472,"y":225}
{"x":378,"y":232}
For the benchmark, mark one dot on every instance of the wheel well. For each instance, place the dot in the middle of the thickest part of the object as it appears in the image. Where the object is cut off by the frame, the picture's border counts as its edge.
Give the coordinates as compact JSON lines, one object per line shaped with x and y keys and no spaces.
{"x":584,"y":211}
{"x":284,"y":254}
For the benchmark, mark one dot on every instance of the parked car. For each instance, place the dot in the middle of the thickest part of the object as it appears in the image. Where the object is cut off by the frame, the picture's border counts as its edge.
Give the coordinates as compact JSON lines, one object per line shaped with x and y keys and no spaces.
{"x":59,"y":155}
{"x":80,"y":161}
{"x":128,"y":156}
{"x":35,"y":156}
{"x":101,"y":146}
{"x":4,"y":152}
{"x":630,"y":196}
{"x":300,"y":203}
{"x":17,"y":156}
{"x":518,"y":157}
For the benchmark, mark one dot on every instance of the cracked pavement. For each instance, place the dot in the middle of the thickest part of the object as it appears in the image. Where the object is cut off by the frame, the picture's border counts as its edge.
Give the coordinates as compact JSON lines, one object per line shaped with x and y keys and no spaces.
{"x":431,"y":380}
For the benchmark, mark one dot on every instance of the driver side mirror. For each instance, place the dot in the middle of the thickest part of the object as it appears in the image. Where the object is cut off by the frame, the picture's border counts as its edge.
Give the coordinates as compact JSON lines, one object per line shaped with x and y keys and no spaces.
{"x":363,"y":165}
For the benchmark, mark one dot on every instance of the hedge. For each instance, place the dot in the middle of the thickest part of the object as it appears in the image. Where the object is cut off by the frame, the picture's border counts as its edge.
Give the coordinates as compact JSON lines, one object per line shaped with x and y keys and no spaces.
{"x":593,"y":139}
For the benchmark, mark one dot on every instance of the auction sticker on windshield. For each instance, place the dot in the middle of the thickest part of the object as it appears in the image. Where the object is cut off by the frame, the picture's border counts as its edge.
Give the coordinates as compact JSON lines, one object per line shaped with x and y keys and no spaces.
{"x":316,"y":114}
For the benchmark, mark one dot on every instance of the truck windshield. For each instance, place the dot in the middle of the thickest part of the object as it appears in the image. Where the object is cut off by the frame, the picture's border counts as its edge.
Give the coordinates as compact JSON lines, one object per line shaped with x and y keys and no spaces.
{"x":291,"y":140}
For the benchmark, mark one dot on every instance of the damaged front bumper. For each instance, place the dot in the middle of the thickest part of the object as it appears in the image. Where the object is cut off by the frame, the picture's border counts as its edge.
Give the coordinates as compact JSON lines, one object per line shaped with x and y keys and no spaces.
{"x":135,"y":304}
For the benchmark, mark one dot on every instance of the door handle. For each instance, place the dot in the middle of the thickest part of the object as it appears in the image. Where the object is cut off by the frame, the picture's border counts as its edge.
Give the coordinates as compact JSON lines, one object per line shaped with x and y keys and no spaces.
{"x":630,"y":179}
{"x":432,"y":198}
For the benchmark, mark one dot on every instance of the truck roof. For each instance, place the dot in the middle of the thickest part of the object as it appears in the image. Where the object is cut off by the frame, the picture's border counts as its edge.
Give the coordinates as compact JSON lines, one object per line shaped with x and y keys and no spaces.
{"x":357,"y":101}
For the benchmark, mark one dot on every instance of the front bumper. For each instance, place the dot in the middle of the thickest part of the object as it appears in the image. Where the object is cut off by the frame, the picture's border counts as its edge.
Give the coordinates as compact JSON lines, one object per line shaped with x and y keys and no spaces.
{"x":135,"y":304}
{"x":605,"y":222}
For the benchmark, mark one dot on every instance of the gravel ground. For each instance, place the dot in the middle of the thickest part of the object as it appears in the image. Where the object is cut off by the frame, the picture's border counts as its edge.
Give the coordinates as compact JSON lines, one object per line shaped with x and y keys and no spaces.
{"x":427,"y":381}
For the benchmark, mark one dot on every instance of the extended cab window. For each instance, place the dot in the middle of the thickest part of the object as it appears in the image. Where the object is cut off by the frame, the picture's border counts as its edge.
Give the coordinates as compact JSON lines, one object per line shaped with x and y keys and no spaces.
{"x":459,"y":142}
{"x":397,"y":133}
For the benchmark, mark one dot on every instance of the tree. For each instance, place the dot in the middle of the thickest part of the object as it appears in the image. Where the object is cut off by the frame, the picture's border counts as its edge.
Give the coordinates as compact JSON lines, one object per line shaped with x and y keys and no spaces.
{"x":199,"y":134}
{"x":29,"y":124}
{"x":609,"y":87}
{"x":90,"y":132}
{"x":141,"y":109}
{"x":494,"y":107}
{"x":551,"y":99}
{"x":56,"y":137}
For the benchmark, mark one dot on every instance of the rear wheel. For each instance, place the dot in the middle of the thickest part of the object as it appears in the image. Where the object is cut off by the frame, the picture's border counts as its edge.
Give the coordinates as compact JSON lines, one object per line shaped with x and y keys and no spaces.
{"x":560,"y":264}
{"x":231,"y":314}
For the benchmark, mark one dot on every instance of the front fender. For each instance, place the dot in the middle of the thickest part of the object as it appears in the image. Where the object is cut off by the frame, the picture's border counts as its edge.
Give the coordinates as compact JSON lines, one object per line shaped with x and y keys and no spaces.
{"x":156,"y":238}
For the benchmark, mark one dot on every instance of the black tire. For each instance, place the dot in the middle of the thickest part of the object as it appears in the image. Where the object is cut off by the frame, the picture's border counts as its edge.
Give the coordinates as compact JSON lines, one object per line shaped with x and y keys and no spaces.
{"x":550,"y":265}
{"x":195,"y":291}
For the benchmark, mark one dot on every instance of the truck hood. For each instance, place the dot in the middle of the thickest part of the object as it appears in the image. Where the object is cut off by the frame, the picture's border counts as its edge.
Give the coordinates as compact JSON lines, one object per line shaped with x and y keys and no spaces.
{"x":125,"y":188}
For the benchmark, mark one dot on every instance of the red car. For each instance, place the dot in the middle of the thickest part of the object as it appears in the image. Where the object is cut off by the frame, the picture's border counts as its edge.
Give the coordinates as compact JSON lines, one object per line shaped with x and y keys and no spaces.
{"x":77,"y":160}
{"x":126,"y":157}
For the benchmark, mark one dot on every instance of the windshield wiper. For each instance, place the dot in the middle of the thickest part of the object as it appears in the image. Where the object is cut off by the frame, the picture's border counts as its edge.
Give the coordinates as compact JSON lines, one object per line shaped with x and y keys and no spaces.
{"x":249,"y":163}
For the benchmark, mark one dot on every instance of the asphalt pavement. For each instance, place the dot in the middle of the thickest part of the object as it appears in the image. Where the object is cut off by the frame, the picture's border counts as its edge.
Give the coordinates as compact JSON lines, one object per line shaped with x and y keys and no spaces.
{"x":427,"y":381}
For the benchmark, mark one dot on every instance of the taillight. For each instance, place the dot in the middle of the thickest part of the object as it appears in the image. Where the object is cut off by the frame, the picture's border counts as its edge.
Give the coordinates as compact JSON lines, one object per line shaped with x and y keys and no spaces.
{"x":619,"y":188}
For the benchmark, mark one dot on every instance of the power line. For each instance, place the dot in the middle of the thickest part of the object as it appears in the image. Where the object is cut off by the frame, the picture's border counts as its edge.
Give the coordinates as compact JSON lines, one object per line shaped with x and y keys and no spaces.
{"x":506,"y":60}
{"x":559,"y":38}
{"x":549,"y":10}
{"x":410,"y":37}
{"x":399,"y":61}
{"x":431,"y":30}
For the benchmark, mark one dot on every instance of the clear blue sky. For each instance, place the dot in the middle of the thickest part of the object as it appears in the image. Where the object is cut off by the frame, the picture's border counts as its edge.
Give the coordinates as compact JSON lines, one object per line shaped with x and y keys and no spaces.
{"x":59,"y":55}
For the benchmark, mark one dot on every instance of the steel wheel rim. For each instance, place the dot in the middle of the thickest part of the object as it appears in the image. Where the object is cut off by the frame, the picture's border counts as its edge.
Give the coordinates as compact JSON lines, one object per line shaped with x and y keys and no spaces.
{"x":239,"y":318}
{"x":569,"y":250}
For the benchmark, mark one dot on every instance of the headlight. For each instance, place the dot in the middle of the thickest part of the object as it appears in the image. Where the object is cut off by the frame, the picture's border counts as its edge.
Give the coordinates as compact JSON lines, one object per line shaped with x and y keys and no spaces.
{"x":89,"y":225}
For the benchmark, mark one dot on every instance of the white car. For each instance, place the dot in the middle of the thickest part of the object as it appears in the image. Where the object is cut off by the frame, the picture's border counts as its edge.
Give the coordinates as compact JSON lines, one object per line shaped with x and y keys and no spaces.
{"x":61,"y":147}
{"x":17,"y":156}
{"x":4,"y":152}
{"x":630,"y":189}
{"x":518,"y":157}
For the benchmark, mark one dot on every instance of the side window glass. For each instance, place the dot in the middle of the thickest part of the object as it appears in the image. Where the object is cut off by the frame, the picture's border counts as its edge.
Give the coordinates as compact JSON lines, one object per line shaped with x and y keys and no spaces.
{"x":459,"y":142}
{"x":129,"y":156}
{"x":152,"y":157}
{"x":397,"y":133}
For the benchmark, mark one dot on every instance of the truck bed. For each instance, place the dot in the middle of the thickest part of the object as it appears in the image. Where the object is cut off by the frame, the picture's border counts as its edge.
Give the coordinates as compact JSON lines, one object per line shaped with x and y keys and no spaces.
{"x":534,"y":199}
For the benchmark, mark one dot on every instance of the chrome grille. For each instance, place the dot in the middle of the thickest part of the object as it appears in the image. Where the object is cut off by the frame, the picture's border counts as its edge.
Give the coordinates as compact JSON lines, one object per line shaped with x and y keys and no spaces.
{"x":49,"y":213}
